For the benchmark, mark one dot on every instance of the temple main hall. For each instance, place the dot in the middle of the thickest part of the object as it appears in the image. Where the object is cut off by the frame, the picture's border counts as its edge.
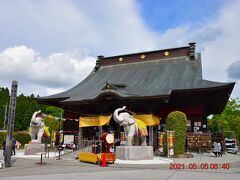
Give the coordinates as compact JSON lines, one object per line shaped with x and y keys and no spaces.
{"x":151,"y":84}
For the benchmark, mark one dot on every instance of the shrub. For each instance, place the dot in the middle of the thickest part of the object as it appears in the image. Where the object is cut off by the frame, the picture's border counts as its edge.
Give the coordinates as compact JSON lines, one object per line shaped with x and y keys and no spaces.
{"x":2,"y":137}
{"x":22,"y":136}
{"x":176,"y":121}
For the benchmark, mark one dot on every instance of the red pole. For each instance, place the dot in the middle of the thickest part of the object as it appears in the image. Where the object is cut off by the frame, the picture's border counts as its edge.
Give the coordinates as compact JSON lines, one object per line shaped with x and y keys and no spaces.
{"x":104,"y":160}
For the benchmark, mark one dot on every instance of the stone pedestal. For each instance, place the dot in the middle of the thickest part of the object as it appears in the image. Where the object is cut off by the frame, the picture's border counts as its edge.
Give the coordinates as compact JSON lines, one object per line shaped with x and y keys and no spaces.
{"x":32,"y":149}
{"x":134,"y":152}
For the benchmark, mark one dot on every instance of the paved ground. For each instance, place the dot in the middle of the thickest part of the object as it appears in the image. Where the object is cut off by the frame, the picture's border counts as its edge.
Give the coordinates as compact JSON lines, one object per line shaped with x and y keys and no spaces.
{"x":26,"y":169}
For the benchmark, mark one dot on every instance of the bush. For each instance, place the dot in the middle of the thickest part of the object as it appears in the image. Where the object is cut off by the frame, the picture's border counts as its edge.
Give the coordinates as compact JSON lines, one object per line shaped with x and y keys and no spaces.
{"x":22,"y":136}
{"x":2,"y":137}
{"x":176,"y":121}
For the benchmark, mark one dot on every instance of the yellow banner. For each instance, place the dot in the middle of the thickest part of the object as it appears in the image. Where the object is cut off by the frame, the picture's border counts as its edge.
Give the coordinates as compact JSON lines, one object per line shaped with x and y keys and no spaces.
{"x":148,"y":119}
{"x":46,"y":131}
{"x":94,"y":121}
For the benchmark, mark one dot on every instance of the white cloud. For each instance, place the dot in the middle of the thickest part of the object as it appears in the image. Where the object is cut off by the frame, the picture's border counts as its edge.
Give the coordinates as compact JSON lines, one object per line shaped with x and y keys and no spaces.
{"x":109,"y":27}
{"x":53,"y":73}
{"x":223,"y":50}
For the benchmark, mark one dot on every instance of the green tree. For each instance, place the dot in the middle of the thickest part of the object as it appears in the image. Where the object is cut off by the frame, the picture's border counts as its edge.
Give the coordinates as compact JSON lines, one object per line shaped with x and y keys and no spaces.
{"x":55,"y":111}
{"x":26,"y":106}
{"x":4,"y":99}
{"x":228,"y":120}
{"x":176,"y":121}
{"x":52,"y":123}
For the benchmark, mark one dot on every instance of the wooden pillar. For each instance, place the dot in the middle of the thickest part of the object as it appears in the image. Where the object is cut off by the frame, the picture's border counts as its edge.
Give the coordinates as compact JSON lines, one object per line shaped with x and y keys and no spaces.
{"x":150,"y":135}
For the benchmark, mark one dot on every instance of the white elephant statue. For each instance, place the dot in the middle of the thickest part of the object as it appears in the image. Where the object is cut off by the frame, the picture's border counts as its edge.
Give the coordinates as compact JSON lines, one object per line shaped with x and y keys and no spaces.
{"x":36,"y":127}
{"x":132,"y":127}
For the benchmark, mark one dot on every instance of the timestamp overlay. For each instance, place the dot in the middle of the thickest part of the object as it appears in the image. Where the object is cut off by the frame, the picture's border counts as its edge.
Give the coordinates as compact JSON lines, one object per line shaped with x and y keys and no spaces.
{"x":199,"y":166}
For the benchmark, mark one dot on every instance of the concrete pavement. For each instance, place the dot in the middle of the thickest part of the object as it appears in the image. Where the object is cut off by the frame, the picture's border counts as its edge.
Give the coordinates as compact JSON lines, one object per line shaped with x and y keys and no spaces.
{"x":68,"y":168}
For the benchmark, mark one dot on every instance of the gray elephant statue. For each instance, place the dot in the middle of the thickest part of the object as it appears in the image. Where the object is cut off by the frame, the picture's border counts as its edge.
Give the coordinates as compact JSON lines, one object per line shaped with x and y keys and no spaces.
{"x":133,"y":128}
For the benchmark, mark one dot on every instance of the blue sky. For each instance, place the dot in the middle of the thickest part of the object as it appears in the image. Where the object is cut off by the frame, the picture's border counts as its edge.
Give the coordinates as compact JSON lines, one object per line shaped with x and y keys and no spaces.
{"x":165,"y":14}
{"x":51,"y":45}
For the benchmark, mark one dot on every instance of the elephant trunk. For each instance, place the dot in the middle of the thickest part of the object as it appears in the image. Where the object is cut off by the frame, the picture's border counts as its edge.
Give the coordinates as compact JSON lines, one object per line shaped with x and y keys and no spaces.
{"x":33,"y":120}
{"x":34,"y":115}
{"x":116,"y":116}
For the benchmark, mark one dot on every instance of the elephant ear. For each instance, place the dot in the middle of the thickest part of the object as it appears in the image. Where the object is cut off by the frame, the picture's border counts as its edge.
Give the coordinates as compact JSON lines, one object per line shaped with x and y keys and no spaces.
{"x":131,"y":120}
{"x":127,"y":119}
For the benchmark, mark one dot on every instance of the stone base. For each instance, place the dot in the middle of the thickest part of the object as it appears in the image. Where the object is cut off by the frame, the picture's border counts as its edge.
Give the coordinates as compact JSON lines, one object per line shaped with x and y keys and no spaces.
{"x":32,"y":149}
{"x":134,"y":152}
{"x":34,"y":141}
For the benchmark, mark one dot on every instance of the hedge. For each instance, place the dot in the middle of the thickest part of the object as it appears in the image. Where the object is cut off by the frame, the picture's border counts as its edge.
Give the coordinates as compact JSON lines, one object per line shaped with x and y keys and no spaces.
{"x":2,"y":137}
{"x":176,"y":121}
{"x":22,"y":136}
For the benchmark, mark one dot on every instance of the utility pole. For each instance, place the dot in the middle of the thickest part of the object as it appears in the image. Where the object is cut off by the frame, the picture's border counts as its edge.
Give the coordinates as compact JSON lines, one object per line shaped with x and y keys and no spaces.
{"x":5,"y":117}
{"x":11,"y":118}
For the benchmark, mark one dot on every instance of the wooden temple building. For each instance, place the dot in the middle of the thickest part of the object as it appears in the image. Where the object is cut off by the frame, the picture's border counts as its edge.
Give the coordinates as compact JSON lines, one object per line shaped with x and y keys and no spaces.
{"x":152,"y":83}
